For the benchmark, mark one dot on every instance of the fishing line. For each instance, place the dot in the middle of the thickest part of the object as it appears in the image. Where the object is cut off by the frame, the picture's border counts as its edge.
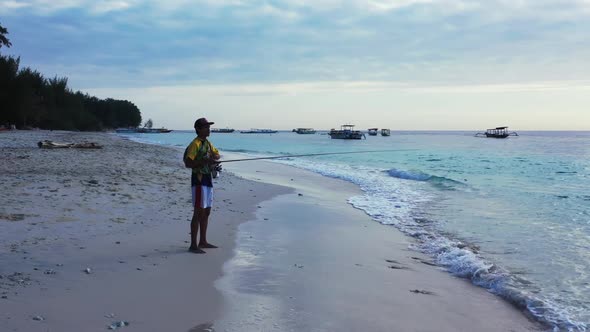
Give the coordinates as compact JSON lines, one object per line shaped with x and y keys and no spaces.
{"x":312,"y":154}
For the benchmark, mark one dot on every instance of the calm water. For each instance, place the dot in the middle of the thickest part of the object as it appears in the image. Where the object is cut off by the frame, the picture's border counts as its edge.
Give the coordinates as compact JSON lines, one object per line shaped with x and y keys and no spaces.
{"x":512,"y":215}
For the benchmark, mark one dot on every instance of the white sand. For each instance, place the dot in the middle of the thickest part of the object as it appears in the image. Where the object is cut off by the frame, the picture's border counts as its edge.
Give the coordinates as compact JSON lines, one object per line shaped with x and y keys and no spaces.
{"x":123,"y":212}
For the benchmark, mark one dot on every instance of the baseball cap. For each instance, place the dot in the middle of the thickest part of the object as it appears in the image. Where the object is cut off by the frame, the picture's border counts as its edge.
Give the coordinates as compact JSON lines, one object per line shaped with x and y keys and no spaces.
{"x":202,"y":122}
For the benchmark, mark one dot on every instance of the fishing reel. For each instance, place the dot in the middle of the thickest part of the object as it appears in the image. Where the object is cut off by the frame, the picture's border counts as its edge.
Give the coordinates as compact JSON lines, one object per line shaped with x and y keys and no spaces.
{"x":216,"y":170}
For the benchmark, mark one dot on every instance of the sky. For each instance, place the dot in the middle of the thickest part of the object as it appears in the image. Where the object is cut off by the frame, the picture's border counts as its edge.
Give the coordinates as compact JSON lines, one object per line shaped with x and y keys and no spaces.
{"x":282,"y":64}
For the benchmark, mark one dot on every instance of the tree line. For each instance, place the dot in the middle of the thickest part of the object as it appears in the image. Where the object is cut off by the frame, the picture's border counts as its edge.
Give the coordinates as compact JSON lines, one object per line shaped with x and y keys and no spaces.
{"x":29,"y":100}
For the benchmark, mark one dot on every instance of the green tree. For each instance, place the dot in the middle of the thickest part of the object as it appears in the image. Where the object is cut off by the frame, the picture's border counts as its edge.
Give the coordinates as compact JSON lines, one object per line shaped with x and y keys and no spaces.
{"x":3,"y":39}
{"x":27,"y":99}
{"x":8,"y":89}
{"x":30,"y":85}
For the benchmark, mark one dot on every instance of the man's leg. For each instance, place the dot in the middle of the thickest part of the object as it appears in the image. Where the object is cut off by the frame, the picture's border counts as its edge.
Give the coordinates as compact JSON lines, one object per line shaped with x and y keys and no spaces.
{"x":204,"y":222}
{"x":195,"y":221}
{"x":194,"y":230}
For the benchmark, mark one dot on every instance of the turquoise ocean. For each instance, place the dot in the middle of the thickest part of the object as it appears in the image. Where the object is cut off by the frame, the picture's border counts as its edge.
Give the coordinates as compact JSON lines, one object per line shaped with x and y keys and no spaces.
{"x":512,"y":215}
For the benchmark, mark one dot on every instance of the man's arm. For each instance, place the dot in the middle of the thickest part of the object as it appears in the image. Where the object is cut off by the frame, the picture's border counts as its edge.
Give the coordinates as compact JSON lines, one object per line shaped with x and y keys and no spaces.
{"x":190,"y":163}
{"x":214,"y":152}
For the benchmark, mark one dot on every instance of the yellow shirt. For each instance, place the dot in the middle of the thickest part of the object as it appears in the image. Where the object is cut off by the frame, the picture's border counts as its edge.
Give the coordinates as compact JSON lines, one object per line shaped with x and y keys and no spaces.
{"x":197,"y":150}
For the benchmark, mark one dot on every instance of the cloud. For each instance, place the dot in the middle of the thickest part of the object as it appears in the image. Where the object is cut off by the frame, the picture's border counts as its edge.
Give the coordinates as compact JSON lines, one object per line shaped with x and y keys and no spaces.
{"x":489,"y":8}
{"x":103,"y":7}
{"x":11,"y":5}
{"x":150,"y":43}
{"x":45,"y":7}
{"x":388,"y":5}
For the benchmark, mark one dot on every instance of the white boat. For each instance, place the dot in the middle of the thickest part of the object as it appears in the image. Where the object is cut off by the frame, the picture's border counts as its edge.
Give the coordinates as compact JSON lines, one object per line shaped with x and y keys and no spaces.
{"x":346,"y":132}
{"x":258,"y":131}
{"x":373,"y":131}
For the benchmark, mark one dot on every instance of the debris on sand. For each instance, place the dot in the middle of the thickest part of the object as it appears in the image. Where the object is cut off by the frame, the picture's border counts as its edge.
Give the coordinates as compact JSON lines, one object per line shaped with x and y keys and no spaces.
{"x":13,"y":216}
{"x":47,"y":144}
{"x":421,"y":291}
{"x":116,"y":325}
{"x":397,"y":267}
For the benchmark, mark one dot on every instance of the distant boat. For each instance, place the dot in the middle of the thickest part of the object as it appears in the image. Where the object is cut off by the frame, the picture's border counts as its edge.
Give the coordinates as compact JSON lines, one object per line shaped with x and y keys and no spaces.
{"x":346,"y":132}
{"x":385,"y":132}
{"x":143,"y":130}
{"x":258,"y":131}
{"x":222,"y":130}
{"x":373,"y":131}
{"x":153,"y":130}
{"x":126,"y":130}
{"x":304,"y":131}
{"x":498,"y":132}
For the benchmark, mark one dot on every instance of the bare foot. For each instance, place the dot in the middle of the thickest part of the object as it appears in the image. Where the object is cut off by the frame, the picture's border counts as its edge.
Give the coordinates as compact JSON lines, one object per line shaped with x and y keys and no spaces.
{"x":206,"y":245}
{"x":196,"y":250}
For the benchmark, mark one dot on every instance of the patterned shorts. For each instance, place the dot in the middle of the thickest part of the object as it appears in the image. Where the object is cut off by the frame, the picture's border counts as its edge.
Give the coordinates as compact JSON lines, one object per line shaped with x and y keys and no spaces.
{"x":202,"y":196}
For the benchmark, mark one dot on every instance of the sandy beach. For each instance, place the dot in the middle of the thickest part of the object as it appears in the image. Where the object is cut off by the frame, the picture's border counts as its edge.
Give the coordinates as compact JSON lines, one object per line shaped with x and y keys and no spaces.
{"x":123,"y":212}
{"x":293,"y":254}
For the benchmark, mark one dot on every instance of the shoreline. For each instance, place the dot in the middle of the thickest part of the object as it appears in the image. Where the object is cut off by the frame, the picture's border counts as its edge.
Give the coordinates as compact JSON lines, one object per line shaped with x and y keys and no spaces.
{"x":376,"y":252}
{"x":459,"y":258}
{"x":141,"y":260}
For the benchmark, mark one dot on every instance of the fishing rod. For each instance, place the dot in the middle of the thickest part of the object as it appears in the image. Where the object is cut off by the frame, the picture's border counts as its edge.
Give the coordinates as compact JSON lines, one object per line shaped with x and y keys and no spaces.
{"x":311,"y":155}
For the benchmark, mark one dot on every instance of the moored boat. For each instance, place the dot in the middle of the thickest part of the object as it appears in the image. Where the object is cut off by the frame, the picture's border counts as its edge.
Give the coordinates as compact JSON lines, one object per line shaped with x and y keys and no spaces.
{"x":304,"y":131}
{"x":258,"y":131}
{"x":498,"y":132}
{"x":153,"y":130}
{"x":146,"y":129}
{"x":385,"y":132}
{"x":373,"y":131}
{"x":222,"y":130}
{"x":346,"y":132}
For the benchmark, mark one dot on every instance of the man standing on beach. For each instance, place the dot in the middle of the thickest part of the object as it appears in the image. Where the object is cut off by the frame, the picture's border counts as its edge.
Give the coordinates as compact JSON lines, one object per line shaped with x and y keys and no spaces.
{"x":202,"y":157}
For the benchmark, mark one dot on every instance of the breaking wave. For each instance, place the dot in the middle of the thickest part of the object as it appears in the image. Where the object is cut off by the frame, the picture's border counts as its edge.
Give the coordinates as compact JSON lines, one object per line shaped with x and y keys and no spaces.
{"x":438,"y":181}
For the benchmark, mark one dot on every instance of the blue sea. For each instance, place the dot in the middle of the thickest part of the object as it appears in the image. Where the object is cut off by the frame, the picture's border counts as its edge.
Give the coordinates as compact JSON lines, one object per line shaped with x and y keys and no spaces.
{"x":512,"y":215}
